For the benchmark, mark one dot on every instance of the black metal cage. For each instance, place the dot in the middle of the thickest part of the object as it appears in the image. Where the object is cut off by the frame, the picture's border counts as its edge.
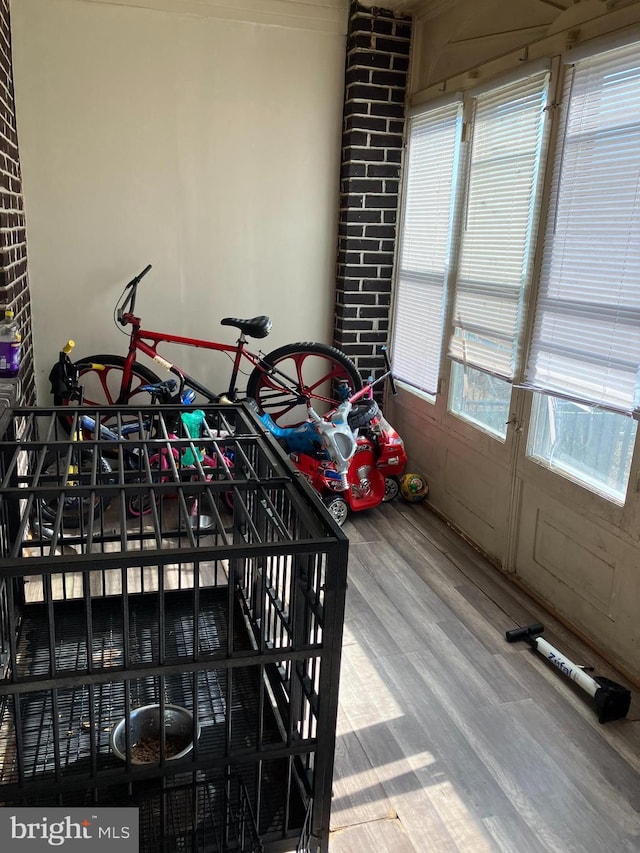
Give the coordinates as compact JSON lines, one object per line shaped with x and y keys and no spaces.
{"x":150,"y":571}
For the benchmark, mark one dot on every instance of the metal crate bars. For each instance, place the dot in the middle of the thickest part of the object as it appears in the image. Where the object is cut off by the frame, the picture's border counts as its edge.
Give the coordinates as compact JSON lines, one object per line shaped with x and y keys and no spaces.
{"x":148,"y":567}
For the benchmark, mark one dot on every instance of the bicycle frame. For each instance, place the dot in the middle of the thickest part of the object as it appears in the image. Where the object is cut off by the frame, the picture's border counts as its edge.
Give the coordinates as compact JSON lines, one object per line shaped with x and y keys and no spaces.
{"x":146,"y":341}
{"x":168,"y":460}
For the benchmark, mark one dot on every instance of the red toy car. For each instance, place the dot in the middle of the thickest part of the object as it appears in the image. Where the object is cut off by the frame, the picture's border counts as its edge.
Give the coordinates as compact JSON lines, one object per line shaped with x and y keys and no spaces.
{"x":373,"y":470}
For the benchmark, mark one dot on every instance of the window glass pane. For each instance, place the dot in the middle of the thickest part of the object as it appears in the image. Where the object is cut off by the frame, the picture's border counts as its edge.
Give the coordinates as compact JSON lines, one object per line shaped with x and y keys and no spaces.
{"x":481,"y":399}
{"x":590,"y":445}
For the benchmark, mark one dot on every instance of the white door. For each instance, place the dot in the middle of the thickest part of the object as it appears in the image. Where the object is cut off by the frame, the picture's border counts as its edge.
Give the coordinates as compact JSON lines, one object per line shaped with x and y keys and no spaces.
{"x":543,"y":295}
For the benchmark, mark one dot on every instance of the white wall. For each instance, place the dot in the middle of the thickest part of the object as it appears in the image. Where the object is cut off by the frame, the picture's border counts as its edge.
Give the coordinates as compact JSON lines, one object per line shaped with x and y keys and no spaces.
{"x":207,"y":147}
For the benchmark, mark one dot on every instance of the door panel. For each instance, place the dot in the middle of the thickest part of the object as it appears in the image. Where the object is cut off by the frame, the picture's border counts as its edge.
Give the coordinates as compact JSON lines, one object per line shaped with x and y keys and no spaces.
{"x":585,"y":570}
{"x":574,"y":550}
{"x":469,"y":472}
{"x":555,"y":540}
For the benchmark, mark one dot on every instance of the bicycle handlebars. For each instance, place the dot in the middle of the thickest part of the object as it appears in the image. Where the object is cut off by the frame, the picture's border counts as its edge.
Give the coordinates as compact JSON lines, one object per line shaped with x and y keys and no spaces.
{"x":139,"y":277}
{"x":130,"y":301}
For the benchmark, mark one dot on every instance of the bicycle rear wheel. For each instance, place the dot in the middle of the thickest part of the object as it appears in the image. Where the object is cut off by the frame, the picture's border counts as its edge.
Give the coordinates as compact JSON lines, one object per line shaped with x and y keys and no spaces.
{"x":296,"y":376}
{"x":101,"y":378}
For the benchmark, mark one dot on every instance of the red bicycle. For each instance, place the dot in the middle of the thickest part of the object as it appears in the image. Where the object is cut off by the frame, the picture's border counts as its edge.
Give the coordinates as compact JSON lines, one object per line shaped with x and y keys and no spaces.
{"x":284,"y":383}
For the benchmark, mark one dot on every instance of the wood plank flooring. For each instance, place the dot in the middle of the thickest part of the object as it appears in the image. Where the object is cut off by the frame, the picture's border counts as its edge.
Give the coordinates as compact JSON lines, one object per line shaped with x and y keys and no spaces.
{"x":449,"y":738}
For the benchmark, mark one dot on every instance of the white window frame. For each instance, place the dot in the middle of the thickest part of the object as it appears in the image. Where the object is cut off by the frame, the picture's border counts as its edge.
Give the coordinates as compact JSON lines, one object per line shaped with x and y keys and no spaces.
{"x":489,"y":298}
{"x":423,"y":269}
{"x":532,"y":296}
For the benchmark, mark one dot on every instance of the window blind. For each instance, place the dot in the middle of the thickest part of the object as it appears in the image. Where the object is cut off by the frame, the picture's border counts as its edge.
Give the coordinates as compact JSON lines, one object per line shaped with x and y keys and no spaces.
{"x":428,"y":202}
{"x":586,"y":337}
{"x":497,"y":247}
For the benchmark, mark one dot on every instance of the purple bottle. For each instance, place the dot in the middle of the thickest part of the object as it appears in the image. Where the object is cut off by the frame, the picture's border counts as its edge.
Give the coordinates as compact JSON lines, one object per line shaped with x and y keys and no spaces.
{"x":9,"y":345}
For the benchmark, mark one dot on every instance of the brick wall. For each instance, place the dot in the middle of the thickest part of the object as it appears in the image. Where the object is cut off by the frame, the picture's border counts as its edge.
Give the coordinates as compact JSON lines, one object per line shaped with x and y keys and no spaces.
{"x":14,"y":286}
{"x":378,"y":46}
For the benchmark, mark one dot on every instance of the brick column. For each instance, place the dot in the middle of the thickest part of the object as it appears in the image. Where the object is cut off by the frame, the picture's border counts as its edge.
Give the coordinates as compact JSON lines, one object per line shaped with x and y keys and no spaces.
{"x":14,"y":285}
{"x":378,"y":46}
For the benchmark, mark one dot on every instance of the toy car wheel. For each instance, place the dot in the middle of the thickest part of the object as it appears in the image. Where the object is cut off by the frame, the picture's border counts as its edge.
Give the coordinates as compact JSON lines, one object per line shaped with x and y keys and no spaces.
{"x":338,"y":508}
{"x":362,"y":413}
{"x":391,"y":489}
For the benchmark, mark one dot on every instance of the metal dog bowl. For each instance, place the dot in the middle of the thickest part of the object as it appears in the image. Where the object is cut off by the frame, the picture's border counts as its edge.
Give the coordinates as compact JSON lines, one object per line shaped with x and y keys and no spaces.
{"x":145,"y":726}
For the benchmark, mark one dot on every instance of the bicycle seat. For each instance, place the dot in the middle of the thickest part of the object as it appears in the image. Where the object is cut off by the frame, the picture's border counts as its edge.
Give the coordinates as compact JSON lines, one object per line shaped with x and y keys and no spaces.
{"x":258,"y":327}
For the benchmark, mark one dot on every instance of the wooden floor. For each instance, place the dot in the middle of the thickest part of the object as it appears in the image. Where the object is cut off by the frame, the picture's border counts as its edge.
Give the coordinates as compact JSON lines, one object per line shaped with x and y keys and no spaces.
{"x":449,"y":738}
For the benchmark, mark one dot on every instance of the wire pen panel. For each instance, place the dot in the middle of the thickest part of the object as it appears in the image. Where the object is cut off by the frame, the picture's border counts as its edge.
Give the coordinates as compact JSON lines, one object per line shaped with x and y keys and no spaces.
{"x":171,"y":606}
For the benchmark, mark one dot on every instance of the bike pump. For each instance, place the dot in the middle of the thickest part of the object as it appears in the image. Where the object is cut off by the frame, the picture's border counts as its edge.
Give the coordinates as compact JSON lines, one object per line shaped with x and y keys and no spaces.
{"x":612,"y":700}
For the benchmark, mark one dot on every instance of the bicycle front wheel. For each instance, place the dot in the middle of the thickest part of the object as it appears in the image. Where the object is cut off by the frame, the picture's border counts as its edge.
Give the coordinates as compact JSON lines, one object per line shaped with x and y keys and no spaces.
{"x":101,"y":377}
{"x":296,"y":376}
{"x":74,"y":512}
